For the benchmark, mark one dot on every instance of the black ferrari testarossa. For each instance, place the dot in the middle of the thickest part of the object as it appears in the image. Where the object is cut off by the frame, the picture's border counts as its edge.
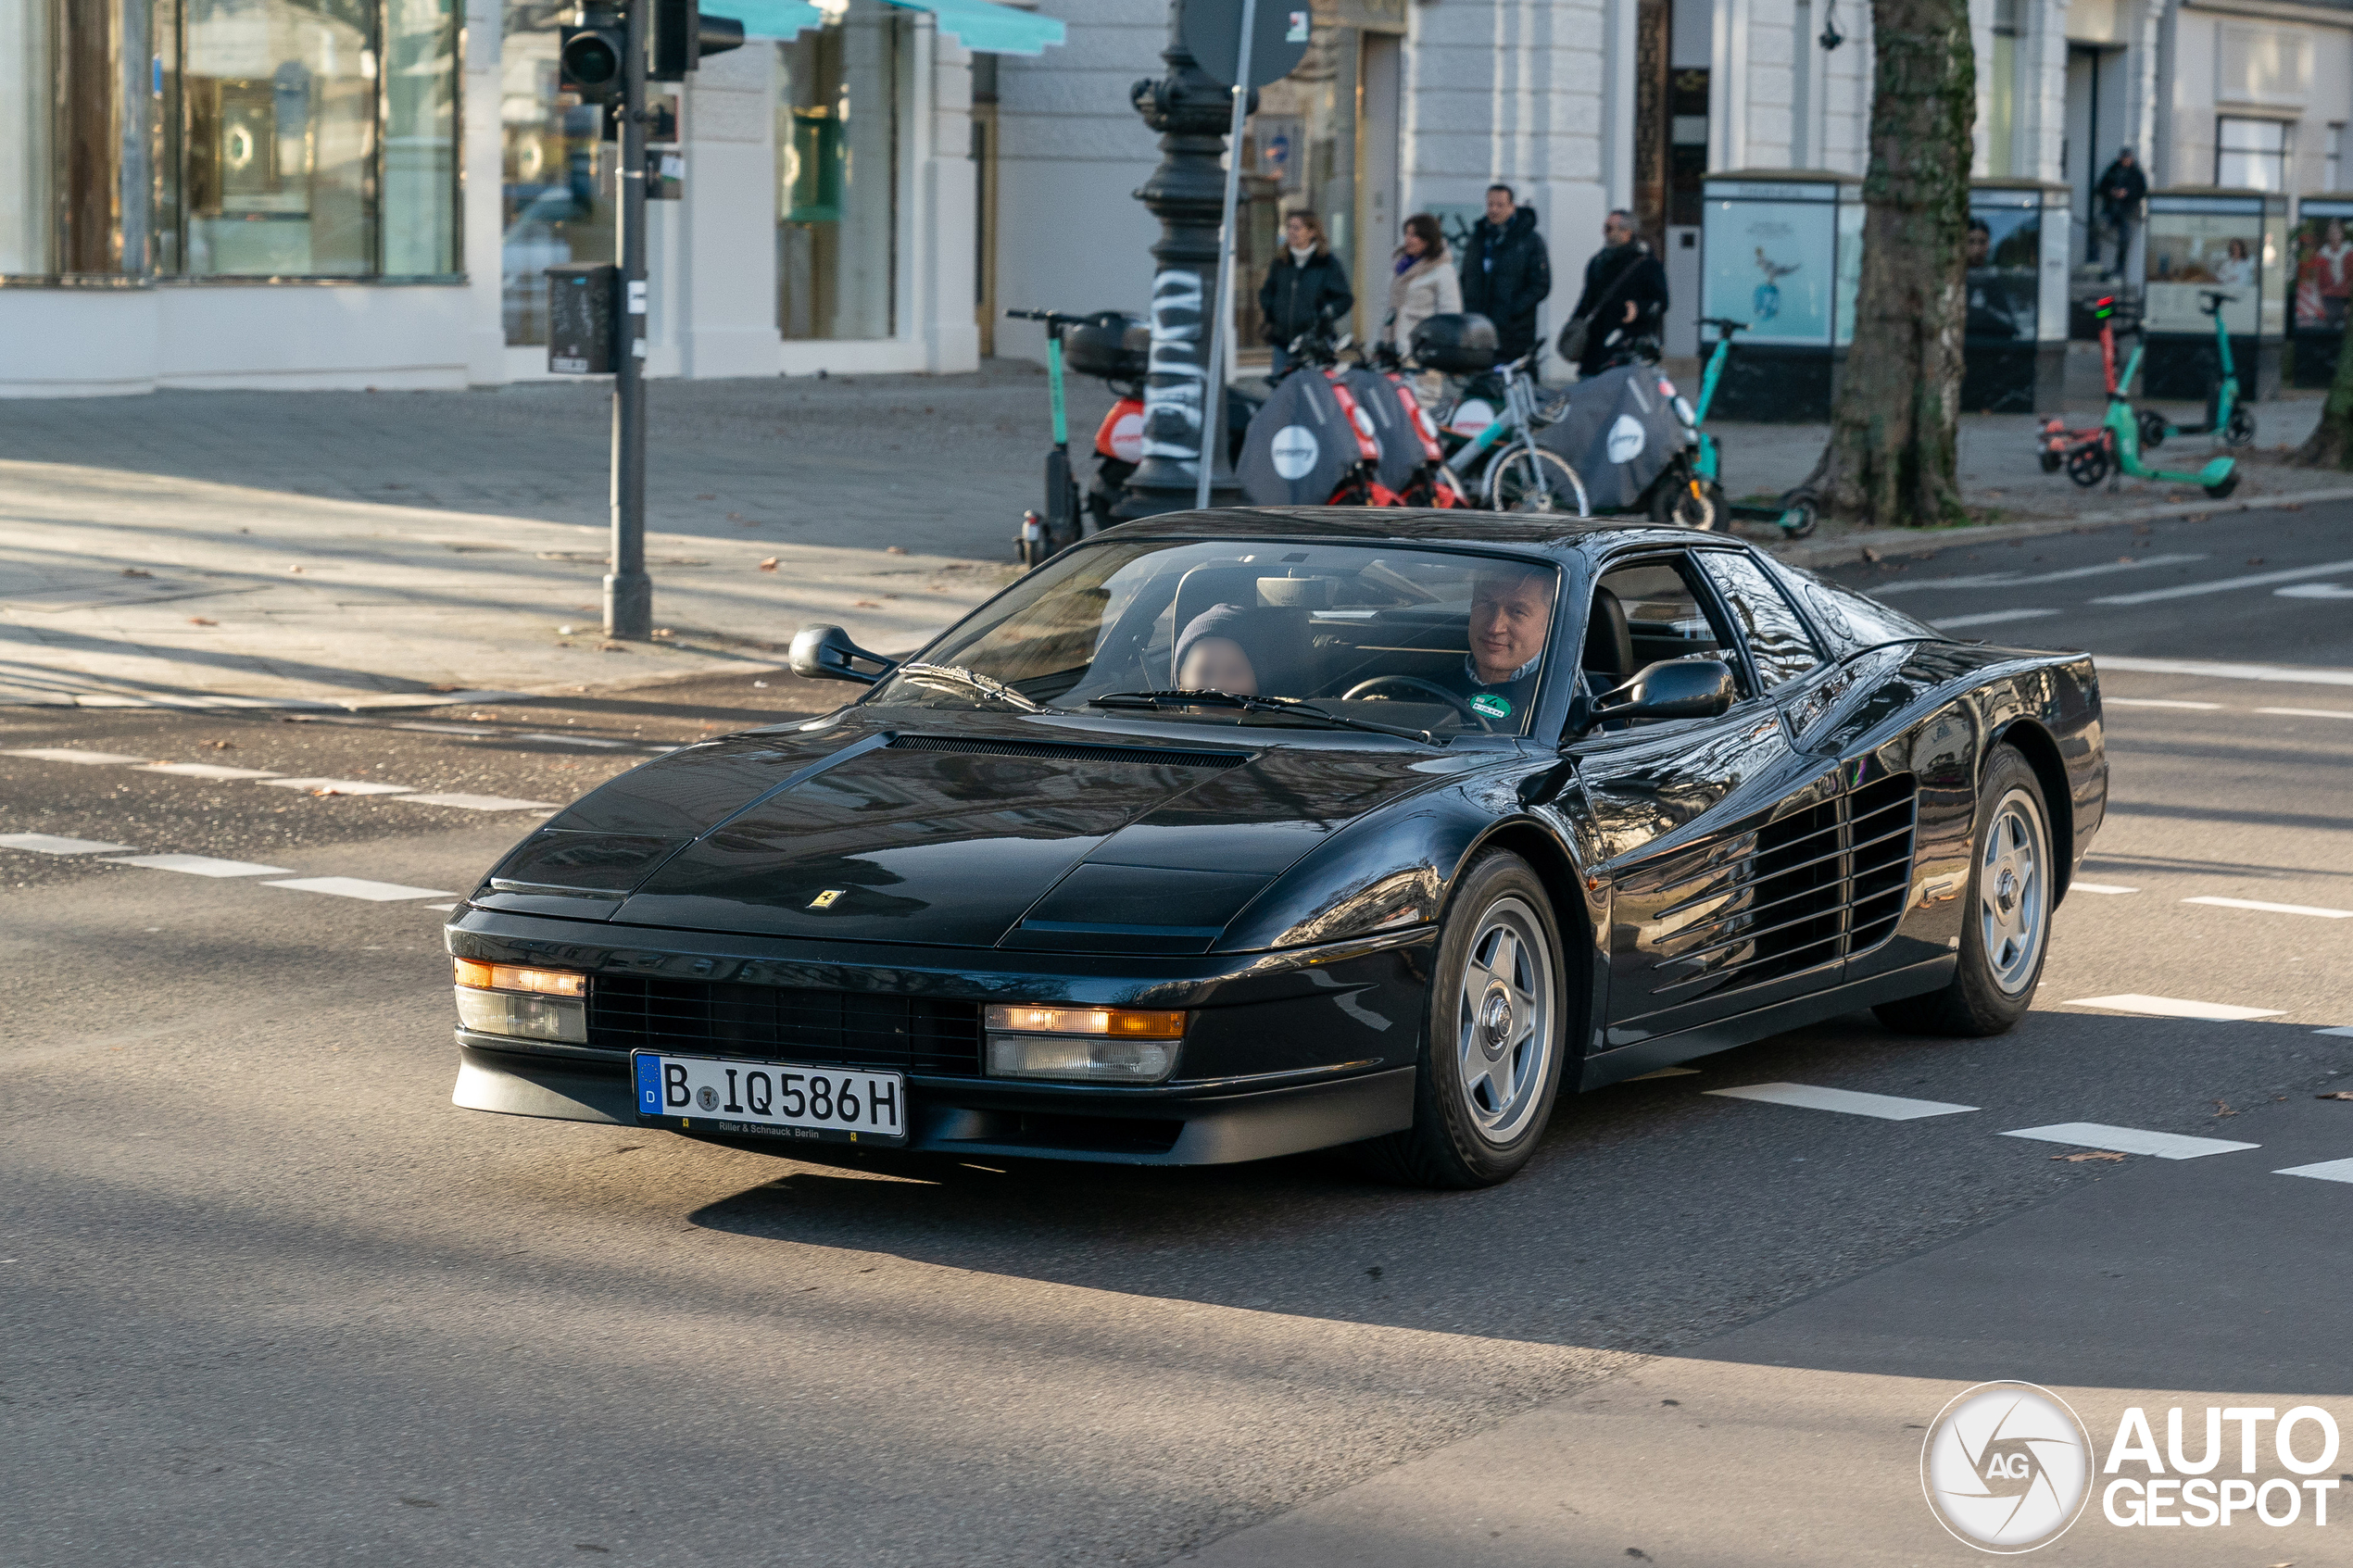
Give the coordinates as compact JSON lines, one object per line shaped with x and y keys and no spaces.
{"x":1235,"y":833}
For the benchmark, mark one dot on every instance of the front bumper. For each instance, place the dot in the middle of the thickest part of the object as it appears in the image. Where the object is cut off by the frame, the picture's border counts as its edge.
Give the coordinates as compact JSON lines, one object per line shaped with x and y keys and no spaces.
{"x":1290,"y":1051}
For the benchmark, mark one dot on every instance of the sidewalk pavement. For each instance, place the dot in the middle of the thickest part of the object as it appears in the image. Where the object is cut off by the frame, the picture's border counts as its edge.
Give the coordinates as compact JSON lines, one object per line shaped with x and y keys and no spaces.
{"x":363,"y":549}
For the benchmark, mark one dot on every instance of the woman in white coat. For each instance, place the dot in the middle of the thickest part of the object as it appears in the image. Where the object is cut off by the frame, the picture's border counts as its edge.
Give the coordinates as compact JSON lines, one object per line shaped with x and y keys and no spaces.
{"x":1425,"y":285}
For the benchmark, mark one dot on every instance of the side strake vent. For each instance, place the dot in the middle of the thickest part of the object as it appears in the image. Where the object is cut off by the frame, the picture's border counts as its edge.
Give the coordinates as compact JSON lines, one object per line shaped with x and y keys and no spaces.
{"x":1139,"y":756}
{"x":1824,"y":883}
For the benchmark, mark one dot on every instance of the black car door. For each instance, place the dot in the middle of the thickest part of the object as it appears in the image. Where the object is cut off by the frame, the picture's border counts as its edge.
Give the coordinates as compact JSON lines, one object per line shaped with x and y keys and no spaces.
{"x":1716,"y":837}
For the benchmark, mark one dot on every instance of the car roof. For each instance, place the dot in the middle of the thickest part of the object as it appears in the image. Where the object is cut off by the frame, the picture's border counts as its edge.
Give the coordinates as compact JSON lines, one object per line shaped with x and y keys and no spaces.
{"x":1514,"y":532}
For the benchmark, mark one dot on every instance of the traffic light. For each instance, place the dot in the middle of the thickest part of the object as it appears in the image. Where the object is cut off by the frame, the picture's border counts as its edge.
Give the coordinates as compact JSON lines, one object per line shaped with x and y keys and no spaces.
{"x":684,"y":35}
{"x":589,"y":61}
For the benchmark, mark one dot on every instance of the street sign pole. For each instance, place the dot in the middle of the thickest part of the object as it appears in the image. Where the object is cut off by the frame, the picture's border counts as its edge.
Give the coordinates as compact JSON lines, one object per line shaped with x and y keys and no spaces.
{"x":1213,"y":392}
{"x":629,"y":592}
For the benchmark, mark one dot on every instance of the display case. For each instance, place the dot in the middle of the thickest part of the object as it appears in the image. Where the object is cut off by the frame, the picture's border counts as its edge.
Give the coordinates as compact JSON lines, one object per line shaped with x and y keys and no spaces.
{"x":2321,"y":273}
{"x":2014,"y":346}
{"x":1781,"y":249}
{"x":2205,"y":238}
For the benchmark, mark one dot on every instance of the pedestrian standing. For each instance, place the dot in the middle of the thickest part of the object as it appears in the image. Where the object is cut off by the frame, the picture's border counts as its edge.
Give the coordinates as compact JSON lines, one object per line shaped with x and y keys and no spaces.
{"x":1424,"y":285}
{"x":1624,"y":299}
{"x":2122,"y":190}
{"x":1506,"y":272}
{"x":1305,"y":290}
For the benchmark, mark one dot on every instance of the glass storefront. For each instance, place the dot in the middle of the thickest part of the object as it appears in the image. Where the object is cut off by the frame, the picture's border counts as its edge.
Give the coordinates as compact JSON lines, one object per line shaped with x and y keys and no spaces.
{"x":837,"y":130}
{"x":556,"y":178}
{"x":229,"y":138}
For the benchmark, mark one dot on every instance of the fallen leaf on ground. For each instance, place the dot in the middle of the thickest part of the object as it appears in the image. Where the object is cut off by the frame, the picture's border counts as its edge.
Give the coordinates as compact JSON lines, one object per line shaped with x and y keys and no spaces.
{"x":481,"y":717}
{"x":200,"y":621}
{"x":894,"y":549}
{"x":864,"y":604}
{"x":1869,"y":554}
{"x":223,"y":745}
{"x":2222,"y":1108}
{"x":664,"y":632}
{"x":613,"y":647}
{"x":2079,"y":1158}
{"x":2335,"y":1094}
{"x":134,"y":571}
{"x":445,"y":688}
{"x":768,"y":565}
{"x":2255,"y":560}
{"x":289,"y":569}
{"x":327,"y":791}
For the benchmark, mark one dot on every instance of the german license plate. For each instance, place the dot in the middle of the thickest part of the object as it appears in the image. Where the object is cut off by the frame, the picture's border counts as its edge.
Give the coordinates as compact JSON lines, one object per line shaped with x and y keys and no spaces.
{"x":771,"y":1098}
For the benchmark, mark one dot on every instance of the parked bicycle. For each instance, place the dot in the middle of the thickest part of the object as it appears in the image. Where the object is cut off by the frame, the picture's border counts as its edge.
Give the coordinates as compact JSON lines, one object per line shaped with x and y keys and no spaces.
{"x":1504,"y":468}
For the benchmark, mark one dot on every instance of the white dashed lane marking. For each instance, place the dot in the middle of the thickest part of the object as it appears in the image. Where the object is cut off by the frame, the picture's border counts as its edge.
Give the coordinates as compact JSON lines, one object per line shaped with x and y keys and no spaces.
{"x":2107,"y":702}
{"x":478,"y":802}
{"x":359,"y":888}
{"x":200,"y":865}
{"x":2326,"y":1171}
{"x":2021,"y":580}
{"x":568,"y":740}
{"x":444,"y":908}
{"x":1887,"y":1108}
{"x":341,"y":786}
{"x":63,"y":754}
{"x":2273,"y":909}
{"x":1991,"y":618}
{"x":205,"y":770}
{"x":2174,"y":1007}
{"x":2106,"y":887}
{"x":2130,"y":1140}
{"x":2309,"y":712}
{"x":2290,"y":674}
{"x":50,"y":844}
{"x":2225,"y":584}
{"x":2344,"y":1034}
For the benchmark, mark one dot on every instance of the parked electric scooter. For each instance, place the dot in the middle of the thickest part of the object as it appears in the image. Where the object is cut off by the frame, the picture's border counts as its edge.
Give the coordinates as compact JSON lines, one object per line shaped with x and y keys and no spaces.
{"x":1431,"y":483}
{"x":2115,"y":449}
{"x":2225,"y":414}
{"x":1057,"y":527}
{"x":2056,"y":439}
{"x":1690,"y":492}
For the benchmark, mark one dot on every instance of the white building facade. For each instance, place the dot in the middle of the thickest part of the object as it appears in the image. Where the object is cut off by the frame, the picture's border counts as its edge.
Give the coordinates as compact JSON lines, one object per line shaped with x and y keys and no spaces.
{"x":261,"y":193}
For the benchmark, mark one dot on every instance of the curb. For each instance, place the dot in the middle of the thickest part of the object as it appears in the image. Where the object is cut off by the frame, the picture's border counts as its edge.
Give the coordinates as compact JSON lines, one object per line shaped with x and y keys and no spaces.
{"x":1928,"y":541}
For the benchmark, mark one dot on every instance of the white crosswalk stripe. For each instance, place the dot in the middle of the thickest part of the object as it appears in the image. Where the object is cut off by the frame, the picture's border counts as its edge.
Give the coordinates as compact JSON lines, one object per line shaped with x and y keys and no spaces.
{"x":1887,"y":1108}
{"x":2174,"y":1007}
{"x":2326,"y":1171}
{"x":2307,"y":713}
{"x":2130,"y":1140}
{"x":2108,"y":701}
{"x":477,"y":802}
{"x":1991,"y":618}
{"x":2108,"y":888}
{"x":2022,"y":579}
{"x":66,"y":753}
{"x":340,"y":786}
{"x":198,"y":865}
{"x":359,"y":888}
{"x":205,"y":770}
{"x":2273,"y":909}
{"x":50,"y":844}
{"x":2226,"y":585}
{"x":2287,"y":674}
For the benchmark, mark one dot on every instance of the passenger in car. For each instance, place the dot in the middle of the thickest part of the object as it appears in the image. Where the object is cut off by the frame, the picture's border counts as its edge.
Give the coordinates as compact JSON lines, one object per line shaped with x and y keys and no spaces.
{"x":1220,"y":650}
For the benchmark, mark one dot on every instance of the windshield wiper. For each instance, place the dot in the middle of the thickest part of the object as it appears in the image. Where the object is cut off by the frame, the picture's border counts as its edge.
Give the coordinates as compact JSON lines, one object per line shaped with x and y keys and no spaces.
{"x":1255,"y":704}
{"x":957,"y":675}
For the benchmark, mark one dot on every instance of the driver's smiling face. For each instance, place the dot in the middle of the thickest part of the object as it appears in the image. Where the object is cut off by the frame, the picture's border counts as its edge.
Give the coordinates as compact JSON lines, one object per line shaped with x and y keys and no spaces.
{"x":1510,"y":613}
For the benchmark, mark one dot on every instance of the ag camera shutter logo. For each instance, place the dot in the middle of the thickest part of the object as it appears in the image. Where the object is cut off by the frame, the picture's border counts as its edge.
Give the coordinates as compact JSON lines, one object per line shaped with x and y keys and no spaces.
{"x":1294,"y":451}
{"x":2006,"y":1467}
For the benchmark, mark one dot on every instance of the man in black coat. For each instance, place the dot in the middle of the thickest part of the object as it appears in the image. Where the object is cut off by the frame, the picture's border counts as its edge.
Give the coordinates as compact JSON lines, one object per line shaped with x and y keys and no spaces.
{"x":1506,"y":271}
{"x":1625,"y":294}
{"x":2122,"y":190}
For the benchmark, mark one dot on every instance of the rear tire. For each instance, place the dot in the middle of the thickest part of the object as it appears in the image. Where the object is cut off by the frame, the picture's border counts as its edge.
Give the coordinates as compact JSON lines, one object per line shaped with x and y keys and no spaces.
{"x":2006,"y":921}
{"x":2240,"y":431}
{"x":1511,"y":483}
{"x":1494,"y":1037}
{"x":2153,"y":429}
{"x":1672,"y":503}
{"x":2221,"y":492}
{"x":1798,"y":519}
{"x":2087,"y":465}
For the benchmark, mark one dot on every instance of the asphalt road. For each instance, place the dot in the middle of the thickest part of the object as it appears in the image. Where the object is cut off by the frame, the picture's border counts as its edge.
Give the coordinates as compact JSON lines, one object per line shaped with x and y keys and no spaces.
{"x":267,"y":1298}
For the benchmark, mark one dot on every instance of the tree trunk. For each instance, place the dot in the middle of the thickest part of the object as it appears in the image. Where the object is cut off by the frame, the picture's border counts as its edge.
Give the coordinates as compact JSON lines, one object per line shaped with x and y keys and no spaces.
{"x":1893,"y":451}
{"x":2331,"y":444}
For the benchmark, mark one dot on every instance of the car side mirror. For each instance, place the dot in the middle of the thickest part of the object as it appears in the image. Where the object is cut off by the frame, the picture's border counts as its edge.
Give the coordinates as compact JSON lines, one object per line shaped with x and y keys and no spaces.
{"x":825,"y":653}
{"x":1673,"y":688}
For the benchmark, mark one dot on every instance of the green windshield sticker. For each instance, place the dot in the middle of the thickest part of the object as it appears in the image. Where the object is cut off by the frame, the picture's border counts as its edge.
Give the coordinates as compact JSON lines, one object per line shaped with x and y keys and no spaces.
{"x":1493,"y":706}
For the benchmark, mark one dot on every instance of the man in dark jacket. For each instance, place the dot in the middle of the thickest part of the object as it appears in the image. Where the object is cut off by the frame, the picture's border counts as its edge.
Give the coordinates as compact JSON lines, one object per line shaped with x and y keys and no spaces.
{"x":1305,"y":290}
{"x":2122,"y":190}
{"x":1506,"y":271}
{"x":1625,"y":294}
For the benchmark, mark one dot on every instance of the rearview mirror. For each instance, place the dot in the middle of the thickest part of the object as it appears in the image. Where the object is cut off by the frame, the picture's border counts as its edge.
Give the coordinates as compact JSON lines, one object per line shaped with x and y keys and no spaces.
{"x":825,"y":653}
{"x":1673,"y":688}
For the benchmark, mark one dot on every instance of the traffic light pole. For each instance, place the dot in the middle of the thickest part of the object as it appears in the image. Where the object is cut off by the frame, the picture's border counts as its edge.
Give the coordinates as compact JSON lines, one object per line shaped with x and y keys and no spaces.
{"x":629,"y":592}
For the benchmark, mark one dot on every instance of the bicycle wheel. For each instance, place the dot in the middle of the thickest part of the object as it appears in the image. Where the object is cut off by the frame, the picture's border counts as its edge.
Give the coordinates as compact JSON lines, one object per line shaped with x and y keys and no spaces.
{"x":1533,"y":480}
{"x":2240,"y":432}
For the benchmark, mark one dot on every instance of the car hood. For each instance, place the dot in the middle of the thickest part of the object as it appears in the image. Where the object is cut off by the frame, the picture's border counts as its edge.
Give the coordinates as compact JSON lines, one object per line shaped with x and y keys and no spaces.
{"x":956,"y":839}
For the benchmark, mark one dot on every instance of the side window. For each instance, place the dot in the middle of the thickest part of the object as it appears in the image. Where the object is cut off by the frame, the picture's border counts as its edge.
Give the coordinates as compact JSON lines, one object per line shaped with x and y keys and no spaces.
{"x":1647,"y":611}
{"x":1858,"y":622}
{"x":1777,"y":638}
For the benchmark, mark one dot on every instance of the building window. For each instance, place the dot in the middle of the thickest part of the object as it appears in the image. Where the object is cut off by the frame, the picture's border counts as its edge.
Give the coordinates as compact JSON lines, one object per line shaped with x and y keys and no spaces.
{"x":837,"y":175}
{"x":74,"y":174}
{"x":556,"y":181}
{"x":2333,"y":175}
{"x":2001,"y":96}
{"x":2252,"y":154}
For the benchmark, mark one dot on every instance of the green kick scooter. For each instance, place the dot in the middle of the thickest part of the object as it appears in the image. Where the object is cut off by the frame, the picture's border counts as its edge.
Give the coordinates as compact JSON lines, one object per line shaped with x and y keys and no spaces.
{"x":2115,"y":449}
{"x":2224,"y":412}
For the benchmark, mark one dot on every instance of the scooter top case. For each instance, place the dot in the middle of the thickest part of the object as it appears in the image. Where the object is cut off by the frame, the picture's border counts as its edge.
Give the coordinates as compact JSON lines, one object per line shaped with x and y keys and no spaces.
{"x":1401,"y":448}
{"x":1620,"y":430}
{"x":1299,"y":446}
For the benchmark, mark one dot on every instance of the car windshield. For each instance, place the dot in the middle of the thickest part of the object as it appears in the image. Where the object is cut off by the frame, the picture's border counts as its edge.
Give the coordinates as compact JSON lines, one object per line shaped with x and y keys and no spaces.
{"x":1241,"y":632}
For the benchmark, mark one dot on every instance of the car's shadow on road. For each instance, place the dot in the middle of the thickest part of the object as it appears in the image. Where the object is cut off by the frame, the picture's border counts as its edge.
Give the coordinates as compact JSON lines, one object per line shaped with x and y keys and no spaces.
{"x":1654,"y":1214}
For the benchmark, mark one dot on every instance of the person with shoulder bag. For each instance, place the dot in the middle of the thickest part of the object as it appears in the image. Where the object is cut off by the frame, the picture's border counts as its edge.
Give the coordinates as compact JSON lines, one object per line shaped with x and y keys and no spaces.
{"x":1425,"y":285}
{"x":1625,"y":298}
{"x":1306,"y":289}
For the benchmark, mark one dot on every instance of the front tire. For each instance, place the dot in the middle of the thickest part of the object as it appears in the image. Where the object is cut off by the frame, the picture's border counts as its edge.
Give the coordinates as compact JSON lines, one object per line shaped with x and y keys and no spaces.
{"x":2006,"y":928}
{"x":1494,"y":1039}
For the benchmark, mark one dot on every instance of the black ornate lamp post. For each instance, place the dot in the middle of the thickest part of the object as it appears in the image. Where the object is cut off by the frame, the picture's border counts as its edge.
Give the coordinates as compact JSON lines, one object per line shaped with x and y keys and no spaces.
{"x":1185,"y":193}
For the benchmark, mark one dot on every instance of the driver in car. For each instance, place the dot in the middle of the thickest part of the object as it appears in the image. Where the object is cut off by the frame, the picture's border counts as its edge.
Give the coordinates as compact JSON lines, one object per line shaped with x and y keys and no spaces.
{"x":1511,"y":611}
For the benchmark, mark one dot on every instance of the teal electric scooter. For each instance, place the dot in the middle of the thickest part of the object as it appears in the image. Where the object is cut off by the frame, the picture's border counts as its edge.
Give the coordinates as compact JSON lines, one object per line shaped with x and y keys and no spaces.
{"x":2115,"y":451}
{"x":1691,"y":491}
{"x":1057,"y":528}
{"x":2224,"y":413}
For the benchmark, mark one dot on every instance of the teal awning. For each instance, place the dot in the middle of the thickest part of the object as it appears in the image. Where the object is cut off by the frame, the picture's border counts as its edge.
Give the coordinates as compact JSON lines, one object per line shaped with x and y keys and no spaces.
{"x":980,"y":25}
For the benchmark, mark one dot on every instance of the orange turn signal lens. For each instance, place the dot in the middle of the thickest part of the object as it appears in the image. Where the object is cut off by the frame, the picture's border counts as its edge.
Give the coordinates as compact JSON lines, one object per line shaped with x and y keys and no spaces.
{"x":479,"y":976}
{"x":1119,"y":1021}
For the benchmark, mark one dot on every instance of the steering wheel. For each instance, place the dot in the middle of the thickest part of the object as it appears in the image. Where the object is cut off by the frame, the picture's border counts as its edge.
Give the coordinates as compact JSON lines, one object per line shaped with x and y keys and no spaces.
{"x":1415,"y":682}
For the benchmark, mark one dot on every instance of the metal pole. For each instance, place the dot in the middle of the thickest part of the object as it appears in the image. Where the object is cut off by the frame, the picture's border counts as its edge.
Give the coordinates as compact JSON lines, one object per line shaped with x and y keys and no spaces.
{"x":1213,"y":392}
{"x":629,"y":592}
